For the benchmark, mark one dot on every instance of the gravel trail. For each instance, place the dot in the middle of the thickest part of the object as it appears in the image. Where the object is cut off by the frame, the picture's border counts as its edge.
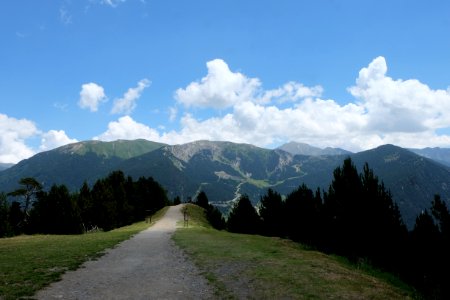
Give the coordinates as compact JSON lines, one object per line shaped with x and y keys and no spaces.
{"x":147,"y":266}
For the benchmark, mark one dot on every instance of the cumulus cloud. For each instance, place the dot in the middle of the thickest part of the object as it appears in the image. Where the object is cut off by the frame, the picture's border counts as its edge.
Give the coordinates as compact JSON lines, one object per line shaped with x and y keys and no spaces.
{"x":291,"y":92}
{"x":128,"y":129}
{"x":221,"y":88}
{"x":54,"y":139}
{"x":402,"y":106}
{"x":91,"y":96}
{"x":407,"y":113}
{"x":384,"y":110}
{"x":13,"y":133}
{"x":321,"y":122}
{"x":127,"y":103}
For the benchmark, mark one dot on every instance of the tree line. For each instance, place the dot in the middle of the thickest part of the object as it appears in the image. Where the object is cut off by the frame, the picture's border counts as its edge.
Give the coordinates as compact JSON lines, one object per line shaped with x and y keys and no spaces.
{"x":355,"y":218}
{"x":112,"y":202}
{"x":358,"y":219}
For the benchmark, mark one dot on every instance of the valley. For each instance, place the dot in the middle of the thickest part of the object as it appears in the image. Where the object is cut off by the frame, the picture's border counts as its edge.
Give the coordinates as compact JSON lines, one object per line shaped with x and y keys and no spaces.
{"x":225,"y":170}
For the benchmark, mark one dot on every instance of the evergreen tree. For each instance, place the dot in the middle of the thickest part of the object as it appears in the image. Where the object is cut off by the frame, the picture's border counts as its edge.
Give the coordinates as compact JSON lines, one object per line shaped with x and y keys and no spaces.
{"x":202,"y":200}
{"x":302,"y":215}
{"x":29,"y":189}
{"x":177,"y":200}
{"x":243,"y":217}
{"x":5,"y":227}
{"x":16,"y":217}
{"x":361,"y":218}
{"x":342,"y":210}
{"x":104,"y":205}
{"x":442,"y":215}
{"x":425,"y":259}
{"x":383,"y":233}
{"x":56,"y":212}
{"x":86,"y":206}
{"x":271,"y":213}
{"x":215,"y":218}
{"x":213,"y":215}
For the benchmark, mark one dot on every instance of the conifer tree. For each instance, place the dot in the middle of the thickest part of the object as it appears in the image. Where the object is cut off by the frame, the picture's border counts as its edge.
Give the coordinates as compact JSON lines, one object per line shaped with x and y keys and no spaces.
{"x":243,"y":217}
{"x":342,"y":210}
{"x":5,"y":227}
{"x":271,"y":213}
{"x":202,"y":200}
{"x":425,"y":261}
{"x":302,"y":214}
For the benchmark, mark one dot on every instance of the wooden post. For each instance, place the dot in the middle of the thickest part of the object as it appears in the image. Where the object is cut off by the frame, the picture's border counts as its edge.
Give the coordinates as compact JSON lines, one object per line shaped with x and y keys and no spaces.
{"x":185,"y":217}
{"x":148,"y":219}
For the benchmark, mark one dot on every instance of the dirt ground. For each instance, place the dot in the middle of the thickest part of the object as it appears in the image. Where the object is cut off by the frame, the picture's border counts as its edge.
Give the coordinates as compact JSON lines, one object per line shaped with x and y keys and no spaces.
{"x":147,"y":266}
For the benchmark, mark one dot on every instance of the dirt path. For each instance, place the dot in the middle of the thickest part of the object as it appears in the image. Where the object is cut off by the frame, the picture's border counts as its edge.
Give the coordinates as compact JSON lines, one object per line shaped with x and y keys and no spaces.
{"x":147,"y":266}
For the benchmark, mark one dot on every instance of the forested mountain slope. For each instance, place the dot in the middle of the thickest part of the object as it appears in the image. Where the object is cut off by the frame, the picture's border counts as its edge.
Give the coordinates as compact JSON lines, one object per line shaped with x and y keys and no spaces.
{"x":225,"y":170}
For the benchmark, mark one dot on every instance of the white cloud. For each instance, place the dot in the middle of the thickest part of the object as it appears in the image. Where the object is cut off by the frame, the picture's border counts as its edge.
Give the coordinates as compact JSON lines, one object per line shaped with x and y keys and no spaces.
{"x":112,"y":3}
{"x":127,"y":129}
{"x":403,"y":112}
{"x":401,"y":106}
{"x":291,"y":92}
{"x":127,"y":103}
{"x":221,"y":88}
{"x":320,"y":122}
{"x":173,"y":112}
{"x":91,"y":96}
{"x":53,"y":139}
{"x":64,"y":16}
{"x":13,"y":133}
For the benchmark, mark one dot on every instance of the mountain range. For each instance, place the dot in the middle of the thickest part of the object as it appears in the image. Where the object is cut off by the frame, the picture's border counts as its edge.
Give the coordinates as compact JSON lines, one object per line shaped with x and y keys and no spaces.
{"x":4,"y":166}
{"x":225,"y":170}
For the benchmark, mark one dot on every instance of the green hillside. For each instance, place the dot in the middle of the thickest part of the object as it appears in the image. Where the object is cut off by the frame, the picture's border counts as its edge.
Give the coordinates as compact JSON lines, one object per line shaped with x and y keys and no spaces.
{"x":75,"y":163}
{"x":255,"y":267}
{"x":227,"y":170}
{"x":123,"y":149}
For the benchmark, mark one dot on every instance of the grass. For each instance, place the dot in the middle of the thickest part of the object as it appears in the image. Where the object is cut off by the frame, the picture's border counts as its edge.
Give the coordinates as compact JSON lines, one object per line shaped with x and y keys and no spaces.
{"x":250,"y":266}
{"x":30,"y":262}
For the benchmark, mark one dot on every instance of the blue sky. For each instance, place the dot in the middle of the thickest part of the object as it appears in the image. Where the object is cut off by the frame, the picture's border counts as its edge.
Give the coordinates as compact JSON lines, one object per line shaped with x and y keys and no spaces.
{"x":350,"y":74}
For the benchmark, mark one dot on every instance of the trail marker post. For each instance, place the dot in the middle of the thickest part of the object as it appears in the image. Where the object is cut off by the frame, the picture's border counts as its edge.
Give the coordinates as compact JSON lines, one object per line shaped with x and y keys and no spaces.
{"x":148,"y":219}
{"x":185,"y":217}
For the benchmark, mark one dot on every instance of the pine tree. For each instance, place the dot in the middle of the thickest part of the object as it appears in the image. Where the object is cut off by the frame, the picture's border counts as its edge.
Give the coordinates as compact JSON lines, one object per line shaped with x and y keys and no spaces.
{"x":424,"y":259}
{"x":343,"y":210}
{"x":56,"y":212}
{"x":271,"y":213}
{"x":5,"y":227}
{"x":202,"y":200}
{"x":243,"y":217}
{"x":302,"y":213}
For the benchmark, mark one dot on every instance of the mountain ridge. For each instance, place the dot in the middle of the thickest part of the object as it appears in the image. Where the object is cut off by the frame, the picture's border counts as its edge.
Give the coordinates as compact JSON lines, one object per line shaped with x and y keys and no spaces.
{"x":306,"y":149}
{"x":226,"y":170}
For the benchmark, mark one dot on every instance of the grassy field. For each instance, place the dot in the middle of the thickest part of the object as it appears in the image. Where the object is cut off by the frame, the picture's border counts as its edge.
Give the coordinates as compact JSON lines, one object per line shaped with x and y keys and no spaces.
{"x":28,"y":263}
{"x":256,"y":267}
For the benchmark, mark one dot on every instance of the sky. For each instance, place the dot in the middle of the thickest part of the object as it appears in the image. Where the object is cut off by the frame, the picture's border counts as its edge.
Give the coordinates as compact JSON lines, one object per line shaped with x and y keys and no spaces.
{"x":341,"y":73}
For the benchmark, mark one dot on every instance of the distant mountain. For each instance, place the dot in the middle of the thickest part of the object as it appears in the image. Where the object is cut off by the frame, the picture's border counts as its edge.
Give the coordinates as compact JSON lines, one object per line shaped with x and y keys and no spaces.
{"x":226,"y":170}
{"x":305,"y":149}
{"x":412,"y":179}
{"x":441,"y":155}
{"x":75,"y":163}
{"x":4,"y":166}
